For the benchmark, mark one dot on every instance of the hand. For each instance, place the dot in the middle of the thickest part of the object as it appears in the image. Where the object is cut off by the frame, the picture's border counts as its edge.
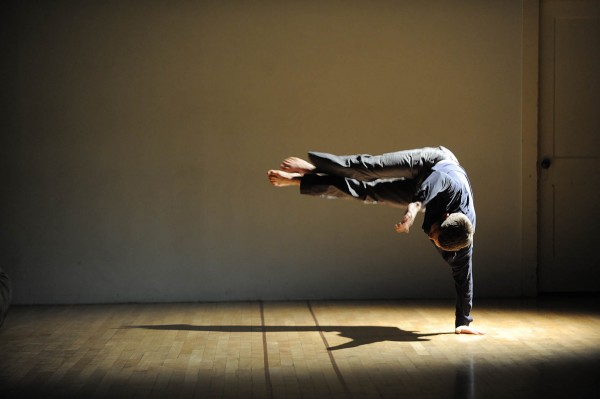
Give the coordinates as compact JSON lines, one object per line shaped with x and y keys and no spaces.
{"x":404,"y":225}
{"x":468,"y":330}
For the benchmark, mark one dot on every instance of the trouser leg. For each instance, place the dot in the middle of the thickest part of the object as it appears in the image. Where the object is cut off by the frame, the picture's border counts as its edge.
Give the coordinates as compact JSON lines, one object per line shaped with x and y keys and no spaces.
{"x":394,"y":192}
{"x":410,"y":164}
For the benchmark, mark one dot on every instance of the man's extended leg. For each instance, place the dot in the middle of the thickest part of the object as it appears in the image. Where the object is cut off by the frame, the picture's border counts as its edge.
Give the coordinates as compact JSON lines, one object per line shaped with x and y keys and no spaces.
{"x":411,"y":164}
{"x":394,"y":192}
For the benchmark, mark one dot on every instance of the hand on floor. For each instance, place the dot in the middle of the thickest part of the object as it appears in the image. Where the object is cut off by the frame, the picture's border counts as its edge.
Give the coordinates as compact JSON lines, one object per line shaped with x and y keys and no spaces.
{"x":468,"y":330}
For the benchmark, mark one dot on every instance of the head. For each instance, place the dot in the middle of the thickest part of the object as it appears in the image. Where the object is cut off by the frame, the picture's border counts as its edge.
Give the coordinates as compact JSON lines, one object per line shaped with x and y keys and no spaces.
{"x":454,"y":232}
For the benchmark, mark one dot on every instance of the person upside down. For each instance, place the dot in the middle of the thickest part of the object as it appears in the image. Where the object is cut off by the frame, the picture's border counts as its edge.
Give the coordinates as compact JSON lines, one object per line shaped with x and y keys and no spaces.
{"x":428,"y":179}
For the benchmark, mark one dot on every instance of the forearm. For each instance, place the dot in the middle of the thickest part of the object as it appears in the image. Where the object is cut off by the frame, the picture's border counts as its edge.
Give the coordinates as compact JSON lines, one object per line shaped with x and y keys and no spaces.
{"x":413,"y":208}
{"x":463,"y":282}
{"x":462,"y":265}
{"x":409,"y":217}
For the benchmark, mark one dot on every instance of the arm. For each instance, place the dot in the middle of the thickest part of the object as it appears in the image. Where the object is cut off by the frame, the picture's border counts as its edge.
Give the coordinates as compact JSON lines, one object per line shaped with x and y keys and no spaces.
{"x":462,"y":272}
{"x":409,"y":217}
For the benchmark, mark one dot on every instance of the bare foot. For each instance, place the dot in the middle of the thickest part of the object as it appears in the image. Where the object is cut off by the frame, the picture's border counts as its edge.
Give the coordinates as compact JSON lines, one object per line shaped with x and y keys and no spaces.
{"x":279,"y":178}
{"x":297,"y":165}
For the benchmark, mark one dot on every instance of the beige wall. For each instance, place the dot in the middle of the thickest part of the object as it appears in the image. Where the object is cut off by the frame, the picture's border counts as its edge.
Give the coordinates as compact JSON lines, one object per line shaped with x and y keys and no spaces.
{"x":139,"y":134}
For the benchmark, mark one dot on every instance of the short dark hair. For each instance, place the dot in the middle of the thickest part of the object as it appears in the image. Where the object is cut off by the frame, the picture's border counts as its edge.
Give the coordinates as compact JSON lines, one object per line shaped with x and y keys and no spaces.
{"x":456,"y":232}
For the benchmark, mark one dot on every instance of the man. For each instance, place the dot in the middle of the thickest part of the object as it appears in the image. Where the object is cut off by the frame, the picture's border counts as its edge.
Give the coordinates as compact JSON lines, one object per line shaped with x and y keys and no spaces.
{"x":426,"y":179}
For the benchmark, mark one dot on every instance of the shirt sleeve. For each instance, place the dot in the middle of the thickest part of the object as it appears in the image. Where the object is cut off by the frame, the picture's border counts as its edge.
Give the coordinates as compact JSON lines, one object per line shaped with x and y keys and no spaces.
{"x":432,"y":186}
{"x":461,"y":263}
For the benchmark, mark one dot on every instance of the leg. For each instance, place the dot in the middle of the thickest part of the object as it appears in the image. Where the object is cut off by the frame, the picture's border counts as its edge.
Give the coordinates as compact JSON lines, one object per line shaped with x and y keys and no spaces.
{"x":410,"y":164}
{"x":394,"y":192}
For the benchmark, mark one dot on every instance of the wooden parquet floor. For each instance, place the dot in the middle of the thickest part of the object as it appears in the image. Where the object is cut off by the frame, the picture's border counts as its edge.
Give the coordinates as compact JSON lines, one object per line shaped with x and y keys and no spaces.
{"x":536,"y":348}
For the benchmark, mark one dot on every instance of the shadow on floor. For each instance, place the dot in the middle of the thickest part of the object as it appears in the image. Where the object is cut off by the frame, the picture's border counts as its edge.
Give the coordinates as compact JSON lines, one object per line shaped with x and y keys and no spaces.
{"x":359,"y":335}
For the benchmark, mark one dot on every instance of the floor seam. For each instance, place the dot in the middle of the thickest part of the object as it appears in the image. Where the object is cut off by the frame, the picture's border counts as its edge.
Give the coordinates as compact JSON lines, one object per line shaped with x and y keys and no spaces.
{"x":334,"y":364}
{"x":268,"y":382}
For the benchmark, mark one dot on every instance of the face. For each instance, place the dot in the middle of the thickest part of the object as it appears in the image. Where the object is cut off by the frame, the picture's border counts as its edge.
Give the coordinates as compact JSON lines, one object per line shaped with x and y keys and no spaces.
{"x":434,"y":231}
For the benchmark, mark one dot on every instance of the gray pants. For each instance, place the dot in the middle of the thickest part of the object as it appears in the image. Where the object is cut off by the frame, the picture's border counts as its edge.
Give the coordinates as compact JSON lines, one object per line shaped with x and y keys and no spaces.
{"x":391,"y":178}
{"x":408,"y":164}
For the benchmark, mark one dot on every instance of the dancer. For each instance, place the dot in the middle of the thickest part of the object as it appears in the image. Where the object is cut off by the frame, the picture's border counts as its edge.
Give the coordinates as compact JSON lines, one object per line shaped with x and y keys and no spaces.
{"x":428,"y":179}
